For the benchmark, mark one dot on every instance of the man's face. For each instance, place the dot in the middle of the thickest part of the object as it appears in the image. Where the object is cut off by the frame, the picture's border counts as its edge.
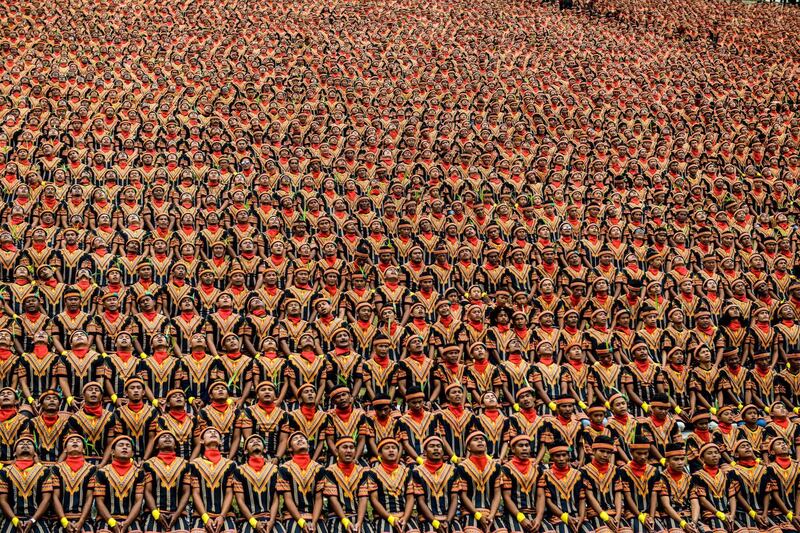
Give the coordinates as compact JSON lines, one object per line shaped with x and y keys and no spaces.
{"x":434,"y":450}
{"x":74,"y":445}
{"x":560,"y":459}
{"x":522,"y":449}
{"x":299,"y":443}
{"x":390,"y":453}
{"x":123,"y":449}
{"x":135,"y":391}
{"x":166,"y":442}
{"x":603,"y":456}
{"x":640,"y":456}
{"x":347,"y":452}
{"x":51,"y":402}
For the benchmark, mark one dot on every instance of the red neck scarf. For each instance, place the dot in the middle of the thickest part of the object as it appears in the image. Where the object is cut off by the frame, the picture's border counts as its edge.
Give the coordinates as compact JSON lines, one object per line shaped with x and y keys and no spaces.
{"x":344,"y":414}
{"x":432,"y":466}
{"x":784,"y":462}
{"x":24,"y":464}
{"x":309,"y":411}
{"x":704,"y":435}
{"x":40,"y":350}
{"x":602,"y":468}
{"x":167,"y":457}
{"x":479,"y":460}
{"x":676,"y":474}
{"x":713,"y":470}
{"x":93,"y":410}
{"x":389,"y":467}
{"x":256,"y":462}
{"x":121,"y":467}
{"x":220,"y":406}
{"x":49,"y":420}
{"x":75,"y":462}
{"x":637,"y":469}
{"x":346,"y":468}
{"x":560,"y":472}
{"x":213,"y":455}
{"x":136,"y":406}
{"x":302,"y":460}
{"x":178,"y":414}
{"x":7,"y":413}
{"x":523,"y":465}
{"x":160,"y":356}
{"x":382,"y":361}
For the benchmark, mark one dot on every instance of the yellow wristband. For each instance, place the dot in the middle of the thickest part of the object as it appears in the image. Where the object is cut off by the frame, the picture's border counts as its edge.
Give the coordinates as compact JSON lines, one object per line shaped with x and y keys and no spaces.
{"x":552,"y":406}
{"x":678,"y":410}
{"x":608,"y":405}
{"x":346,"y":522}
{"x":642,"y":517}
{"x":604,"y":516}
{"x":663,"y":461}
{"x":15,"y":521}
{"x":30,"y":399}
{"x":682,"y":524}
{"x":301,"y":523}
{"x":143,"y":355}
{"x":111,"y":522}
{"x":713,"y":410}
{"x":64,"y":352}
{"x":191,"y":400}
{"x":155,"y":402}
{"x":752,"y":513}
{"x":436,"y":524}
{"x":478,"y":516}
{"x":582,"y":404}
{"x":420,"y":460}
{"x":454,"y":459}
{"x":520,"y":517}
{"x":104,"y":355}
{"x":516,"y":407}
{"x":733,"y":463}
{"x":229,"y":401}
{"x":391,"y":520}
{"x":720,"y":515}
{"x":253,"y":522}
{"x":64,"y":522}
{"x":156,"y":514}
{"x":205,"y":518}
{"x":739,"y":405}
{"x":70,"y":399}
{"x":565,"y":518}
{"x":114,"y":398}
{"x":645,"y":407}
{"x":790,"y":516}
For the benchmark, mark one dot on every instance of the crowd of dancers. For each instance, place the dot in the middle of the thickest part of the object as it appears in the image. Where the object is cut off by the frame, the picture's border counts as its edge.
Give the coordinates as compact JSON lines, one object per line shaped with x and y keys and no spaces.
{"x":399,"y":266}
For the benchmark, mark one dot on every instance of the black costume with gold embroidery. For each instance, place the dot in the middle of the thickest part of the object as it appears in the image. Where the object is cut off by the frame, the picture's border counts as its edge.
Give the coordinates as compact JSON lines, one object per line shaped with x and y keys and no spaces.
{"x":24,"y":490}
{"x":213,"y":481}
{"x":167,"y":480}
{"x":119,"y":493}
